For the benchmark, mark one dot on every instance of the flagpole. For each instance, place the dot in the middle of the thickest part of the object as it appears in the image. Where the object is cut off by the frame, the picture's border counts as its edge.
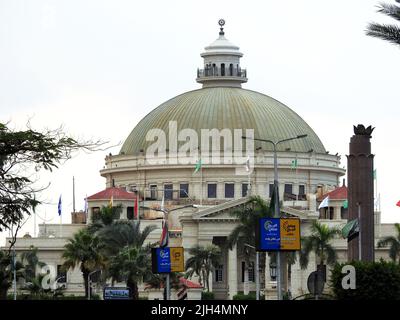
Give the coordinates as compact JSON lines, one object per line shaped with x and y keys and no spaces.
{"x":201,"y":185}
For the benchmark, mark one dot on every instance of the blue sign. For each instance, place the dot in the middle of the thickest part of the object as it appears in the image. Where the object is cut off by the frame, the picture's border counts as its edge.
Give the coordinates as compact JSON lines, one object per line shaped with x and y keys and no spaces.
{"x":116,"y":293}
{"x":163,"y":260}
{"x":270,"y":234}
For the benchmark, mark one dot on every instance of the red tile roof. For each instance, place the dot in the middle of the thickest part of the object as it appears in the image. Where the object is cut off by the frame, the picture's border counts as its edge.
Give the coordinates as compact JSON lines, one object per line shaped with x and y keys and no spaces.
{"x":116,"y":193}
{"x":337,"y":194}
{"x":189,"y":284}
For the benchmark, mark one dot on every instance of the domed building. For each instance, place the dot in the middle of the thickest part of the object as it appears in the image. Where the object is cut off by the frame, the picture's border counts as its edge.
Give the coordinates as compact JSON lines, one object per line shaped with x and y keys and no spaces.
{"x":201,"y":155}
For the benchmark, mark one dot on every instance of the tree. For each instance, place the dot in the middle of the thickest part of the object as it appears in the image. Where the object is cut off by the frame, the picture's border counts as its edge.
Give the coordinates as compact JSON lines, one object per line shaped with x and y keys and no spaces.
{"x":245,"y":231}
{"x":31,"y":263}
{"x":106,"y":216}
{"x":202,"y":262}
{"x":7,"y":272}
{"x":319,"y":242}
{"x":23,"y":153}
{"x":388,"y":32}
{"x":84,"y":250}
{"x":393,"y":242}
{"x":131,"y":264}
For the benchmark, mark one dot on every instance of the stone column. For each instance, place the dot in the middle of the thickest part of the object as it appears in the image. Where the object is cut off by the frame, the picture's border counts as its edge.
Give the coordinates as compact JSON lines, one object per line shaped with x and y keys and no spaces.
{"x":336,"y":213}
{"x":232,"y":272}
{"x":210,"y":280}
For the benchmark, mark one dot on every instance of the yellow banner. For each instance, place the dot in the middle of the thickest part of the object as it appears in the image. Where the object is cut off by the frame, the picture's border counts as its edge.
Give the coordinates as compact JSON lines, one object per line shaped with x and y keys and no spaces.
{"x":177,"y":260}
{"x":290,"y":234}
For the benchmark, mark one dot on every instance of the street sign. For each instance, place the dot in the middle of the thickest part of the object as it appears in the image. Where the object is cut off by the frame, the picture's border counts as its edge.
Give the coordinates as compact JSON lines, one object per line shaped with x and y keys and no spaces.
{"x":166,"y":260}
{"x":116,"y":293}
{"x":278,"y":234}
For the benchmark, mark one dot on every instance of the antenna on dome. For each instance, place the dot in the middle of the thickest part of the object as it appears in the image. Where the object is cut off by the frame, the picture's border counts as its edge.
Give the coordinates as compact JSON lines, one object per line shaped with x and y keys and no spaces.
{"x":221,"y":23}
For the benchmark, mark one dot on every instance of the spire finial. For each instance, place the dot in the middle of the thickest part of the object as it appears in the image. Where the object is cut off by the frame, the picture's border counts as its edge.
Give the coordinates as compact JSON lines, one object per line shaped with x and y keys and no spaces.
{"x":221,"y":22}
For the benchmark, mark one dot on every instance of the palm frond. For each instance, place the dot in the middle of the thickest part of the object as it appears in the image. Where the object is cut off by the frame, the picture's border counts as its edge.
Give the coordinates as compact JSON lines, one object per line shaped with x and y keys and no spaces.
{"x":386,"y":32}
{"x":390,"y":10}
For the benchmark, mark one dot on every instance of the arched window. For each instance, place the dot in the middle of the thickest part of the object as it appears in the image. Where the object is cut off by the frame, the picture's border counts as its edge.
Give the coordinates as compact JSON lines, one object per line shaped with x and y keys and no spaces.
{"x":222,"y":69}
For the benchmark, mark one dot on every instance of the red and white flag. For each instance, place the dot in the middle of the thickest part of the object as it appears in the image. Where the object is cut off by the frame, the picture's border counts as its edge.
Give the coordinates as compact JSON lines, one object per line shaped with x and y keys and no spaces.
{"x":398,"y":203}
{"x":164,"y":234}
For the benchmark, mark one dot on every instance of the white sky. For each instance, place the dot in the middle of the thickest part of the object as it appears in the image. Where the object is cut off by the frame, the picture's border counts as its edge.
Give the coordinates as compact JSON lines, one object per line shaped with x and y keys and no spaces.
{"x":99,"y":66}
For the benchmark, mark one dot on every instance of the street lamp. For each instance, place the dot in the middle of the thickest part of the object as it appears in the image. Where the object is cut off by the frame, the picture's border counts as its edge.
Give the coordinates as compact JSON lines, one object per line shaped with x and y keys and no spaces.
{"x":272,"y":271}
{"x":277,"y":209}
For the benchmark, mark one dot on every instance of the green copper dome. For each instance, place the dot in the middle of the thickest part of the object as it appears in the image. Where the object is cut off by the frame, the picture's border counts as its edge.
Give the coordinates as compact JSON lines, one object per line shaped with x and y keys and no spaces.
{"x":227,"y":107}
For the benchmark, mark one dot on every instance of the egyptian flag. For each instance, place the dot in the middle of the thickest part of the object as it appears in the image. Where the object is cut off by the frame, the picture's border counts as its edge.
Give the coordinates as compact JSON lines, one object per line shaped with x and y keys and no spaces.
{"x":135,"y":210}
{"x":164,"y":234}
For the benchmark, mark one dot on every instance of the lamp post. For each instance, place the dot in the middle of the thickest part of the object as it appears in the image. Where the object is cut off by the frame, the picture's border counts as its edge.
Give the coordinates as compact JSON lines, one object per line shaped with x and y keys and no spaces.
{"x":277,"y":208}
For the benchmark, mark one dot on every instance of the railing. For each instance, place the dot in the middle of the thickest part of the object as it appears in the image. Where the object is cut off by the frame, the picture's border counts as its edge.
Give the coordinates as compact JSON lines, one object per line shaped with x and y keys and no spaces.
{"x":218,"y":72}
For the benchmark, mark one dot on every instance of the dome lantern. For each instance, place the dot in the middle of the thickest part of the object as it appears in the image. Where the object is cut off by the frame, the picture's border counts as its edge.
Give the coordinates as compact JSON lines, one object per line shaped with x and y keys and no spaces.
{"x":221,"y":63}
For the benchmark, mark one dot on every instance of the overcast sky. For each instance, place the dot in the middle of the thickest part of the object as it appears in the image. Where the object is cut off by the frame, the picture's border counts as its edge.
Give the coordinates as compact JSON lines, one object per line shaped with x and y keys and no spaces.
{"x":98,"y":67}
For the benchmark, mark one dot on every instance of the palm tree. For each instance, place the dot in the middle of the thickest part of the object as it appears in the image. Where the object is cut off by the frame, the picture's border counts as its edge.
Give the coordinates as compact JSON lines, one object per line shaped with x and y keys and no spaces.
{"x":131,"y":264}
{"x":394,"y":242}
{"x":84,"y":250}
{"x":122,"y":233}
{"x":31,"y":263}
{"x":105,"y":217}
{"x":245,"y":231}
{"x":202,"y":262}
{"x":319,"y":242}
{"x":388,"y":32}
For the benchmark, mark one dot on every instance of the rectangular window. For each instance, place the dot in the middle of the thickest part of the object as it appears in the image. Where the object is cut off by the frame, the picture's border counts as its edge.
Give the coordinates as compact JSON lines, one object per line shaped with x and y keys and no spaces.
{"x":245,"y":188}
{"x":61,"y":275}
{"x":129,"y":213}
{"x":302,"y":192}
{"x":288,"y":193}
{"x":168,"y":191}
{"x":229,"y":190}
{"x":271,"y":189}
{"x":184,"y":190}
{"x":219,"y":273}
{"x":251,"y":272}
{"x":153,"y":192}
{"x":212,"y":190}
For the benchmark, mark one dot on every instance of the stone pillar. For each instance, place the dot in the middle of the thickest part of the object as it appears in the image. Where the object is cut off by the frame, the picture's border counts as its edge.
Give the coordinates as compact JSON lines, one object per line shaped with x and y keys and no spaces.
{"x":232,"y":272}
{"x":336,"y":213}
{"x":210,"y":280}
{"x":361,"y":192}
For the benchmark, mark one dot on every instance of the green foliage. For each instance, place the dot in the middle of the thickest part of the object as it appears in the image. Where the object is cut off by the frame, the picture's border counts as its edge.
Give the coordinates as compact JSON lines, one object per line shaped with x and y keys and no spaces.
{"x":105,"y":217}
{"x":242,"y":296}
{"x":393,"y":242}
{"x":374,"y":281}
{"x":202,"y":262}
{"x":319,"y":242}
{"x":387,"y":32}
{"x":21,"y":153}
{"x":207,"y":295}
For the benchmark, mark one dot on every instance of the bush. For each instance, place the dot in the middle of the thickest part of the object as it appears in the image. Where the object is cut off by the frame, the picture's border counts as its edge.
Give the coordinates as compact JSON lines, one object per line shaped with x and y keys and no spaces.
{"x":242,"y":296}
{"x":206,"y":295}
{"x":374,"y":281}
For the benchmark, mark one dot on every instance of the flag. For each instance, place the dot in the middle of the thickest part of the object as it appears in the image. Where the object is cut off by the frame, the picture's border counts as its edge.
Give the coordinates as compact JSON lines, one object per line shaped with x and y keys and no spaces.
{"x":294,"y":164}
{"x":164,"y":234}
{"x":345,"y":204}
{"x":59,"y":206}
{"x":198,"y":166}
{"x":351,"y":229}
{"x":324,"y":203}
{"x":111,"y":201}
{"x":135,"y":210}
{"x":398,"y":203}
{"x":247,"y":166}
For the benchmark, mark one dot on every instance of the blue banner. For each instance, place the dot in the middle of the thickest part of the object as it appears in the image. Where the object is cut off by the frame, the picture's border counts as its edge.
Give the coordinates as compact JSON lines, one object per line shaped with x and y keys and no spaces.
{"x":270,"y":234}
{"x":163,"y":260}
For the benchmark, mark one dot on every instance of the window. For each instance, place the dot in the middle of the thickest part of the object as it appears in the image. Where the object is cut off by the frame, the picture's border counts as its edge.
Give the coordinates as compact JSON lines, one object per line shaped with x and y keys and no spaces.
{"x":302,"y":192}
{"x":184,"y":190}
{"x":61,"y":274}
{"x":250,"y":271}
{"x":229,"y":190}
{"x":245,"y":189}
{"x":212,"y":190}
{"x":219,"y":273}
{"x":271,"y":189}
{"x":288,"y":195}
{"x":222,"y":69}
{"x":231,"y":69}
{"x":168,"y":191}
{"x":153,"y":192}
{"x":129,"y":213}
